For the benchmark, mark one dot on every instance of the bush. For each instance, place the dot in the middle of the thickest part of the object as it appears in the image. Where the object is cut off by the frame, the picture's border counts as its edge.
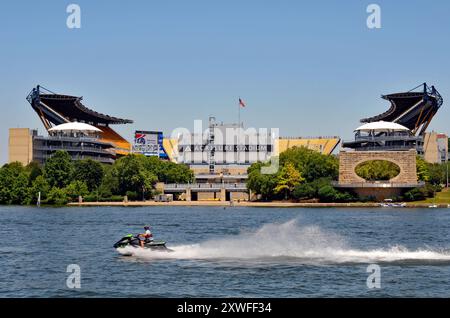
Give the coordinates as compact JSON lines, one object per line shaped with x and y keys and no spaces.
{"x":57,"y":196}
{"x":114,"y":198}
{"x":132,"y":195}
{"x":75,"y":189}
{"x":418,"y":194}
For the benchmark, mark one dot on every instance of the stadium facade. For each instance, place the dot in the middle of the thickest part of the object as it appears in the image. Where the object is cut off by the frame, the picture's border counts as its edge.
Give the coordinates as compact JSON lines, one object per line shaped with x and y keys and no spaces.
{"x":220,"y":155}
{"x":56,"y":109}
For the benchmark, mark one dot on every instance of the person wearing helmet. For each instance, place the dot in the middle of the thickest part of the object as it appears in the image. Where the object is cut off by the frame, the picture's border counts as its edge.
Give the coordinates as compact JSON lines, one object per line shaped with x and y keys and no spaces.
{"x":147,"y":235}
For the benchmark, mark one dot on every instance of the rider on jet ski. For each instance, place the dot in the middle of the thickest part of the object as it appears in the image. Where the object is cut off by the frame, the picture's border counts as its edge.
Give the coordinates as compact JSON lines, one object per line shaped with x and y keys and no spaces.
{"x":147,"y":235}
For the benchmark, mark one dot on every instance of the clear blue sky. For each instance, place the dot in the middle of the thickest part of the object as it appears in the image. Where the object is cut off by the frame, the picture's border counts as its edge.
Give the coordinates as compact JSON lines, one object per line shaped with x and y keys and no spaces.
{"x":307,"y":67}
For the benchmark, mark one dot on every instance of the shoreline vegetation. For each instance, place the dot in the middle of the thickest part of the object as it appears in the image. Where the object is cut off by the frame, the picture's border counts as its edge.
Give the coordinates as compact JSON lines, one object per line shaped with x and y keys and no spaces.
{"x":304,"y":179}
{"x":254,"y":204}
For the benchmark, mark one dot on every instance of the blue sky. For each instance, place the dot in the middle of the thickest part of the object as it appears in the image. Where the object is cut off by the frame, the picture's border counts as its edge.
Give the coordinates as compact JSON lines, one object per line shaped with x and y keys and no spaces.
{"x":307,"y":67}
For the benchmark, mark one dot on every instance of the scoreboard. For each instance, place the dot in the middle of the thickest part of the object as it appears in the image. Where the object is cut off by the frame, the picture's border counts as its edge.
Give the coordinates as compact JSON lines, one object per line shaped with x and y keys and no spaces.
{"x":149,"y":143}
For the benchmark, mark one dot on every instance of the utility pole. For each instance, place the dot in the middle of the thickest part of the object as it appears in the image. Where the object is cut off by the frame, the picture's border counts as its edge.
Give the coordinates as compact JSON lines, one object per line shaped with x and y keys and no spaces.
{"x":446,"y":163}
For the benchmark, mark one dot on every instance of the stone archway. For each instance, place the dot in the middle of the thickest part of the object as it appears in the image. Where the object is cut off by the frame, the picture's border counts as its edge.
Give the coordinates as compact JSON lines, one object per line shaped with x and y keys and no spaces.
{"x":405,"y":160}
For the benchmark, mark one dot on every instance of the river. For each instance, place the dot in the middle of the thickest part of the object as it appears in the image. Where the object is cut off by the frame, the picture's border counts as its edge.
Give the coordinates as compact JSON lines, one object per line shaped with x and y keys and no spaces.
{"x":226,"y":252}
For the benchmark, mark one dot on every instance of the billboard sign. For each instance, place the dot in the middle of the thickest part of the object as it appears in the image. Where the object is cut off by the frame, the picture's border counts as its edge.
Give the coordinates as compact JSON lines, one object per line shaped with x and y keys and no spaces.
{"x":148,"y":143}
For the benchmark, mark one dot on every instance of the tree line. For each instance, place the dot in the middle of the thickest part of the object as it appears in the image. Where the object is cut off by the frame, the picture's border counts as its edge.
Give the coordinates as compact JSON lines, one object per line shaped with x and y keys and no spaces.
{"x":62,"y":180}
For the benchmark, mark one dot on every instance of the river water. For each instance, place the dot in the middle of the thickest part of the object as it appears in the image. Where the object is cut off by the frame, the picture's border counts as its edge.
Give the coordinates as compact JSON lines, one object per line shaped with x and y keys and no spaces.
{"x":226,"y":252}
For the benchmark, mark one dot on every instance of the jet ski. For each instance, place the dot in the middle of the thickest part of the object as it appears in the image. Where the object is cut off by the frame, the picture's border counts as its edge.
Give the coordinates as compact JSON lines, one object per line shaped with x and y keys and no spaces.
{"x":134,"y":241}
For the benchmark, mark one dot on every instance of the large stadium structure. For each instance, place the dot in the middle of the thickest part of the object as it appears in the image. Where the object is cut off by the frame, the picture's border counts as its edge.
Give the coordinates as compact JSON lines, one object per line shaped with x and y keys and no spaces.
{"x":56,"y":109}
{"x":413,"y":109}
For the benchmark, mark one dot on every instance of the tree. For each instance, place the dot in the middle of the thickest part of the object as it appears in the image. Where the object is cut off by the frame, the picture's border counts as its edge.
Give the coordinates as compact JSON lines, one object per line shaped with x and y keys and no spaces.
{"x":41,"y":185}
{"x":132,"y":176}
{"x":110,"y":182}
{"x":288,"y":179}
{"x":35,"y":170}
{"x":304,"y":191}
{"x":58,"y":169}
{"x":75,"y":189}
{"x":422,"y":169}
{"x":90,"y":172}
{"x":310,"y":163}
{"x":262,"y":184}
{"x":167,"y":171}
{"x":377,"y":170}
{"x":437,"y":173}
{"x":13,"y":183}
{"x":57,"y":196}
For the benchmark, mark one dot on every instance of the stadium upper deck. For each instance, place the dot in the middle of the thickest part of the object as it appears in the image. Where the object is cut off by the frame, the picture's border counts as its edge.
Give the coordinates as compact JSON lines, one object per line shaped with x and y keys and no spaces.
{"x":413,"y":109}
{"x":55,"y":109}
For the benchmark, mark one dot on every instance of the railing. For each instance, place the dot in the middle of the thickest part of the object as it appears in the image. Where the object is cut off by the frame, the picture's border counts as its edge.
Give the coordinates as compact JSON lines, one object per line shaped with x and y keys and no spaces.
{"x":387,"y":138}
{"x":74,"y":149}
{"x":387,"y":148}
{"x":74,"y":139}
{"x":99,"y":158}
{"x":204,"y":186}
{"x":378,"y":184}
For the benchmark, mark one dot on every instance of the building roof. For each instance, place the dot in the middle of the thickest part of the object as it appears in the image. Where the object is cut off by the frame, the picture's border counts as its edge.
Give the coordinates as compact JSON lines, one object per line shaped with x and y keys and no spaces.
{"x":381,"y":126}
{"x":413,"y":109}
{"x":58,"y":108}
{"x":75,"y":126}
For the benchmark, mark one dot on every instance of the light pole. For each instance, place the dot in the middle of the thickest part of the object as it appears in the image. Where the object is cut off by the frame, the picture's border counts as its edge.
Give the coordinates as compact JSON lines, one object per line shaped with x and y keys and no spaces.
{"x":447,"y":170}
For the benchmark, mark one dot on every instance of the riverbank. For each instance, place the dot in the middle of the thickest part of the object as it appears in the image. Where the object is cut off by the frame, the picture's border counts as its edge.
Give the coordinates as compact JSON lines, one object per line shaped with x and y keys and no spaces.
{"x":251,"y":204}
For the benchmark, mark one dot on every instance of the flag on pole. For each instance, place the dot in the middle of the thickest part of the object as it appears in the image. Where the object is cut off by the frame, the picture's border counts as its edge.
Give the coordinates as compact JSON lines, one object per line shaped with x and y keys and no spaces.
{"x":241,"y":103}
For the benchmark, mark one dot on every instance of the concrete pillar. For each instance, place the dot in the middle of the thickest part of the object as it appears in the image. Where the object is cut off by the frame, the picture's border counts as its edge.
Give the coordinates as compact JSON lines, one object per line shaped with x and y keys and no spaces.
{"x":159,"y":187}
{"x":188,"y":194}
{"x":223,"y":194}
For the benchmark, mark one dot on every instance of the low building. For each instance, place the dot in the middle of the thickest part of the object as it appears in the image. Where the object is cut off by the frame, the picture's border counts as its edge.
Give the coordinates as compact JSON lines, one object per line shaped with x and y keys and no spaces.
{"x":435,"y":147}
{"x":80,"y":140}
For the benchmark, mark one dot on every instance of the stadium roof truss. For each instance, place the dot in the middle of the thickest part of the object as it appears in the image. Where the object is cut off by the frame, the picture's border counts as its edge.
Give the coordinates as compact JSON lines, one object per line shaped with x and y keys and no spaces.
{"x":56,"y":109}
{"x":413,"y":109}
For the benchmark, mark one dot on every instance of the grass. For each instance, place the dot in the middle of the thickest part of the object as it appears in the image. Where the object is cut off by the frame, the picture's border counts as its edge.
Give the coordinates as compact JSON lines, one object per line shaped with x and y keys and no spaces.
{"x":442,"y":197}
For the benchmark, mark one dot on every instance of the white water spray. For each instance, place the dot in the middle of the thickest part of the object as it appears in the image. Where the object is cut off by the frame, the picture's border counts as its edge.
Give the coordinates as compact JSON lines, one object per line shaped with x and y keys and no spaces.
{"x":289,"y":241}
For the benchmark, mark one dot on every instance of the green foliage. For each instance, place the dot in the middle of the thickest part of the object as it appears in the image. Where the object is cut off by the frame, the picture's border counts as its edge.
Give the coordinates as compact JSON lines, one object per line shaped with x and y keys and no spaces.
{"x":132,"y":195}
{"x":40,"y":184}
{"x":377,"y":170}
{"x":311,"y":164}
{"x":302,"y":173}
{"x":168,"y":172}
{"x":75,"y":189}
{"x":259,"y":183}
{"x":132,"y":175}
{"x":418,"y":194}
{"x":58,"y":169}
{"x":288,"y":179}
{"x":61,"y":180}
{"x":90,"y":172}
{"x":437,"y":173}
{"x":13,"y":184}
{"x":310,"y":190}
{"x":35,"y":170}
{"x":110,"y":182}
{"x":330,"y":194}
{"x":57,"y":196}
{"x":423,"y":173}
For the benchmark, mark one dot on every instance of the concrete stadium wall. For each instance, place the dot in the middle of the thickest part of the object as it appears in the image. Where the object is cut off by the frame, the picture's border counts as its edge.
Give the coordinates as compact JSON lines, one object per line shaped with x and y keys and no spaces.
{"x":349,"y":160}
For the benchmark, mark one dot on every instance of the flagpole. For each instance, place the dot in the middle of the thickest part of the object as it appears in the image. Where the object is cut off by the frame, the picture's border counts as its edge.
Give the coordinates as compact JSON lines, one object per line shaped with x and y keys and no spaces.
{"x":239,"y":113}
{"x":239,"y":123}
